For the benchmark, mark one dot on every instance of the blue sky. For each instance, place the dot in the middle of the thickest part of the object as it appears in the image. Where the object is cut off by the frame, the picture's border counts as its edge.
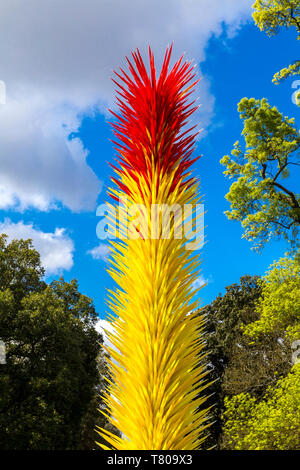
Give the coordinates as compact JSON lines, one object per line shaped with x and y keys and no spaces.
{"x":56,"y":152}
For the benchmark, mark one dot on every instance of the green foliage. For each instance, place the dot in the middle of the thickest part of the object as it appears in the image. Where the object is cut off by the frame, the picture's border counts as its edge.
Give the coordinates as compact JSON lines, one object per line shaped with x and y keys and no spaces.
{"x":224,"y":317}
{"x":267,"y":417}
{"x":238,"y":364}
{"x":50,"y":378}
{"x":93,"y":418}
{"x":260,"y":198}
{"x":271,"y":16}
{"x":279,"y":304}
{"x":258,"y":388}
{"x":292,"y":69}
{"x":269,"y":424}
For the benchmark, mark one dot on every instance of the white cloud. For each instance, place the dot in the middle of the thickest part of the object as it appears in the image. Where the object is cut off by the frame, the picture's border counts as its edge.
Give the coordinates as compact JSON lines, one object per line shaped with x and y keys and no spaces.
{"x":56,"y":249}
{"x":104,"y":326}
{"x":200,"y":282}
{"x":39,"y":165}
{"x":56,"y":59}
{"x":100,"y":252}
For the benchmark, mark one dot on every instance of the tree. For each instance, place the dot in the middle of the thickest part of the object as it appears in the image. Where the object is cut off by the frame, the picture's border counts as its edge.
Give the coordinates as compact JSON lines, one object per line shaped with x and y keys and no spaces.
{"x":268,"y":424}
{"x":20,"y":268}
{"x":50,"y":374}
{"x":271,"y":16}
{"x":94,"y":419}
{"x":223,"y":317}
{"x":279,"y":304}
{"x":261,"y":392}
{"x":237,"y":364}
{"x":268,"y":419}
{"x":260,"y":197}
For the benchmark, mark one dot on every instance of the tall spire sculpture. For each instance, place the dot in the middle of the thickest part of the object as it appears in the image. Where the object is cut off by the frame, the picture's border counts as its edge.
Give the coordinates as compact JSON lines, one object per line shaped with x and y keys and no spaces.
{"x":156,"y":364}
